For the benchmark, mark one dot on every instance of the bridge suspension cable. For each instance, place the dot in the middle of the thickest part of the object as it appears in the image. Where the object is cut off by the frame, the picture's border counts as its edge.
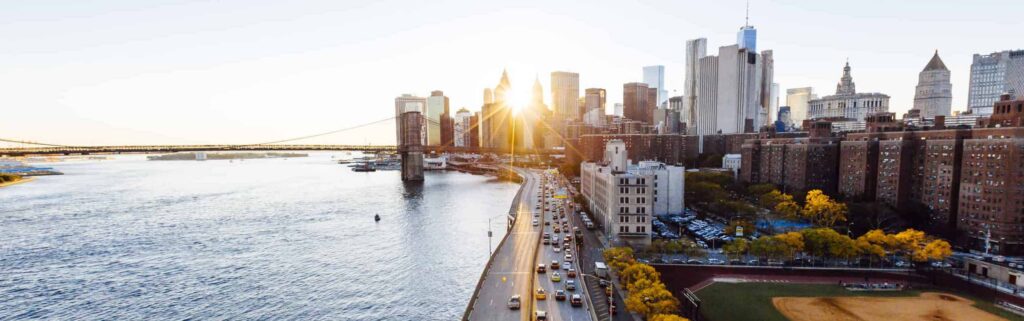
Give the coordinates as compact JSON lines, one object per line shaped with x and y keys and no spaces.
{"x":240,"y":145}
{"x":30,"y":143}
{"x":321,"y":134}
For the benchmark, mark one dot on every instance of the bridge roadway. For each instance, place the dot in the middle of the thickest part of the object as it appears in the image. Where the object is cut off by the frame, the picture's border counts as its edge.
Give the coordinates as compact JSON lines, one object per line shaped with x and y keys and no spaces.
{"x":82,"y":150}
{"x":512,"y":269}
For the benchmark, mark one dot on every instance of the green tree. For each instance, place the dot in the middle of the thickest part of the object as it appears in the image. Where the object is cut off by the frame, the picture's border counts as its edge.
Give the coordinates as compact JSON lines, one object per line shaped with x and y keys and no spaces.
{"x":759,"y":190}
{"x":737,"y":247}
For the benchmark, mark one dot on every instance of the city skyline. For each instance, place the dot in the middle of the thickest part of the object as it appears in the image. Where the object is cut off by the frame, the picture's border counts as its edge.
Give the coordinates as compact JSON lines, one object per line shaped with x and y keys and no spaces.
{"x":272,"y":71}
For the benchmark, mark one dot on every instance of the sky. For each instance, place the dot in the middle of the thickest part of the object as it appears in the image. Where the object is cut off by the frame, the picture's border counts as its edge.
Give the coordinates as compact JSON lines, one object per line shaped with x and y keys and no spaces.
{"x":235,"y":72}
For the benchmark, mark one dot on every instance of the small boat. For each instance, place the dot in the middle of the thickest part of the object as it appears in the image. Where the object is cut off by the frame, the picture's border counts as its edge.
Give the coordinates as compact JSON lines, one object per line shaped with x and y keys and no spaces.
{"x":363,"y":167}
{"x":376,"y":217}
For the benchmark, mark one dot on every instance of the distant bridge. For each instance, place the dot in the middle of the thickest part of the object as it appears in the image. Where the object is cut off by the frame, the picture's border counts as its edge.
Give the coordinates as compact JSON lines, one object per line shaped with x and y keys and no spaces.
{"x":127,"y":149}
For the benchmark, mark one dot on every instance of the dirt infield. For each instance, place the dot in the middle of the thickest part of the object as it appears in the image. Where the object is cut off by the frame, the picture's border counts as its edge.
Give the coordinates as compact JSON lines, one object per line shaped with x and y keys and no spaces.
{"x":928,"y":306}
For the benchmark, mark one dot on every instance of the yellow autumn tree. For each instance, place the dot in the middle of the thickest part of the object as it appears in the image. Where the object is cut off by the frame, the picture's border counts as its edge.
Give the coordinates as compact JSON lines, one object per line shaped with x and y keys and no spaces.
{"x":909,"y":240}
{"x":792,"y":243}
{"x":652,"y":300}
{"x":636,"y":272}
{"x":822,"y":209}
{"x":934,"y":250}
{"x":667,"y":317}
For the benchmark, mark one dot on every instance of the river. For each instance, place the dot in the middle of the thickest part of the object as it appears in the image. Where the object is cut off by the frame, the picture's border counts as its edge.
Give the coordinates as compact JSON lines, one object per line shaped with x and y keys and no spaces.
{"x":268,"y":239}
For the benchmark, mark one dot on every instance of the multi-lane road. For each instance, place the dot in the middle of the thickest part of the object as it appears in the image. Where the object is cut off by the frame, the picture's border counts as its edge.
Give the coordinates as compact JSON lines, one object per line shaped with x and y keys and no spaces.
{"x":513,"y":267}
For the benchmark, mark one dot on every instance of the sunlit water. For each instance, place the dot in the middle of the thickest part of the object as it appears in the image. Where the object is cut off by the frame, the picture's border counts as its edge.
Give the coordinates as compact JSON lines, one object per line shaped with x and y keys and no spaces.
{"x":261,"y":239}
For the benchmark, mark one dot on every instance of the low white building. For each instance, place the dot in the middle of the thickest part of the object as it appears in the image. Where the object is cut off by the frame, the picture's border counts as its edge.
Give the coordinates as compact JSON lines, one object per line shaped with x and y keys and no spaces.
{"x":624,"y":197}
{"x":732,"y":162}
{"x":669,"y":183}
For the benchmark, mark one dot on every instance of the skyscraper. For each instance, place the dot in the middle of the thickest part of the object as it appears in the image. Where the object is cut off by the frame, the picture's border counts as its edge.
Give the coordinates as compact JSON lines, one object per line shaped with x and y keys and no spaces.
{"x":619,"y":109}
{"x":635,"y":102}
{"x":695,"y":50}
{"x":594,"y":105}
{"x":796,"y":99}
{"x":496,"y":118}
{"x":934,"y":94}
{"x":463,"y":122}
{"x":565,"y":94}
{"x":992,"y":75}
{"x":746,"y":38}
{"x":407,"y":102}
{"x":706,"y":117}
{"x":739,"y":90}
{"x":654,"y":77}
{"x":768,"y":100}
{"x":437,"y":104}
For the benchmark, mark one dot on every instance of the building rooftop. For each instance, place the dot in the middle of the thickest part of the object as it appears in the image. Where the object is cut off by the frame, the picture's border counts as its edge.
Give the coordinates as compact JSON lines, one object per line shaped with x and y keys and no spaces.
{"x":935,"y":63}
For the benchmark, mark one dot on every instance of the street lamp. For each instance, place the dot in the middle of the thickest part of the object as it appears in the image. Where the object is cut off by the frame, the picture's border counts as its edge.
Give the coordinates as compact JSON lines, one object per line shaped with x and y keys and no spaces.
{"x":490,"y":233}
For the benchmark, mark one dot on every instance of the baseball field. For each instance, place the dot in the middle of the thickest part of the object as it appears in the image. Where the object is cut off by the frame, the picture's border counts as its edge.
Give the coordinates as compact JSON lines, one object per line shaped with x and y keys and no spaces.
{"x":805,"y":302}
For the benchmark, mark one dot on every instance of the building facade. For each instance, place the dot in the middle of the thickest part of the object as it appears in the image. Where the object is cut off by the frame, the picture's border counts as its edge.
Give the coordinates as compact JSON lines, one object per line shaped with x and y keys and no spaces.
{"x":636,"y":103}
{"x":797,"y":99}
{"x":993,"y":75}
{"x":565,"y":94}
{"x":654,"y":77}
{"x":934,"y":93}
{"x":695,"y":50}
{"x":621,"y":201}
{"x":847,"y":108}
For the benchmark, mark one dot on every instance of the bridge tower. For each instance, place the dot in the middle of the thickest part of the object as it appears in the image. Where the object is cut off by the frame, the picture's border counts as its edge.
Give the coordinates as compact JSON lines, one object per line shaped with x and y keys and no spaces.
{"x":410,"y":144}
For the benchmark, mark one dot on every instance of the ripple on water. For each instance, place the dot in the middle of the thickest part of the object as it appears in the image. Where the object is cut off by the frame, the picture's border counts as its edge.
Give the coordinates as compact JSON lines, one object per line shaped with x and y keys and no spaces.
{"x":254,"y":240}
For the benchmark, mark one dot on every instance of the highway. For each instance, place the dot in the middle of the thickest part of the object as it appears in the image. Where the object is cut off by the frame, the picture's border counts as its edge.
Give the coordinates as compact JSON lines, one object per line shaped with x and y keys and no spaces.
{"x":554,"y":216}
{"x":511,"y":267}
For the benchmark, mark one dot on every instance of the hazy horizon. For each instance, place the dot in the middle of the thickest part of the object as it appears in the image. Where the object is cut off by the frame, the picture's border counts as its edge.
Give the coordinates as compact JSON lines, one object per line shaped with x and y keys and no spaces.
{"x":179,"y":72}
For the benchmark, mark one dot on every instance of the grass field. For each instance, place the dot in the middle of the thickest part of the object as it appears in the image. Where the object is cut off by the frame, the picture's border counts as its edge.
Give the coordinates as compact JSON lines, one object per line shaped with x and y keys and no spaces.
{"x":753,"y":301}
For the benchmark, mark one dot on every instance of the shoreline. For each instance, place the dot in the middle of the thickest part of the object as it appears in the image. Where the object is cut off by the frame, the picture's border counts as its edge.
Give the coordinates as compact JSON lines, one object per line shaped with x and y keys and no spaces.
{"x":23,"y":180}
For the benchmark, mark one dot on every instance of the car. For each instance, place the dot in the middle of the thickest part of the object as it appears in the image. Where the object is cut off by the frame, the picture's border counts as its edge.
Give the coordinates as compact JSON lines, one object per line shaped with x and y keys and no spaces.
{"x":566,"y":265}
{"x":571,"y":273}
{"x":678,"y":261}
{"x":535,"y":222}
{"x":570,"y":285}
{"x":547,"y":241}
{"x":554,"y":239}
{"x":541,"y":268}
{"x":547,"y":222}
{"x":714,"y":261}
{"x":555,"y":277}
{"x":694,"y":261}
{"x":541,"y":294}
{"x":541,"y":315}
{"x":560,"y":295}
{"x":576,"y":300}
{"x":568,"y":256}
{"x":568,"y":237}
{"x":554,"y":264}
{"x":555,"y":248}
{"x":558,"y":229}
{"x":514,"y":302}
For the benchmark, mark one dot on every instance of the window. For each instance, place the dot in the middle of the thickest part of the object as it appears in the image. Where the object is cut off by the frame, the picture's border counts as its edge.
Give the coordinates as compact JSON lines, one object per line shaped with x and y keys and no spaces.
{"x":623,"y":229}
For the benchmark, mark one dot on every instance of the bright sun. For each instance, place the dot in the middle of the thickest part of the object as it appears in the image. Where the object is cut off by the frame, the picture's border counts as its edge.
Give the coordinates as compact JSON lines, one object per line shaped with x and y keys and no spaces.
{"x":518,"y":98}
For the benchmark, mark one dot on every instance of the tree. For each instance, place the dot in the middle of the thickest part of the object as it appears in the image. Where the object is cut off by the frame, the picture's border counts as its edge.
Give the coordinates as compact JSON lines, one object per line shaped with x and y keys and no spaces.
{"x":865,"y":247}
{"x":770,"y":199}
{"x":667,"y":317}
{"x":818,"y":241}
{"x":759,"y":190}
{"x":619,"y":258}
{"x":637,"y":272}
{"x":843,"y":247}
{"x":787,"y":207}
{"x":822,"y":210}
{"x":909,"y":240}
{"x":792,"y":243}
{"x":737,"y":247}
{"x":935,"y":250}
{"x":674,"y":246}
{"x":652,"y":300}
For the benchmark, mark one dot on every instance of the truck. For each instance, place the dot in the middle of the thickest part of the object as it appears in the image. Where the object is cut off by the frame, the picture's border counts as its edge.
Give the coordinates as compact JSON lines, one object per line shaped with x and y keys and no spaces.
{"x":601,"y":269}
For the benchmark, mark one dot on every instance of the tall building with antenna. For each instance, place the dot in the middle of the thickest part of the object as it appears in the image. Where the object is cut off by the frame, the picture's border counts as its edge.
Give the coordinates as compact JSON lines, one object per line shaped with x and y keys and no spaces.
{"x":746,"y":38}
